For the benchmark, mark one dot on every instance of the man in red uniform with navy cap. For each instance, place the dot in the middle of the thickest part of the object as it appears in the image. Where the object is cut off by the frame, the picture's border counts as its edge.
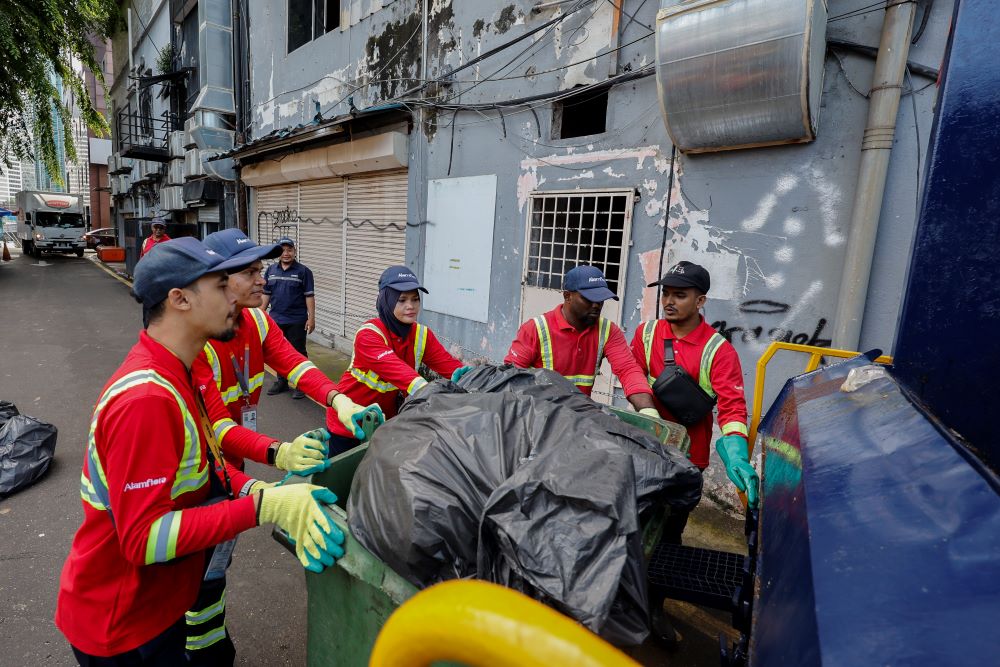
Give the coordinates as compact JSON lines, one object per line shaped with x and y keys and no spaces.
{"x":157,"y":519}
{"x":572,"y":339}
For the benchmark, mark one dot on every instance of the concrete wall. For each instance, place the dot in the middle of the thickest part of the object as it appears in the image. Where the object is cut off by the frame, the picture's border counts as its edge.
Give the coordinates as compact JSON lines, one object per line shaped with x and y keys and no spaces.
{"x":770,"y":223}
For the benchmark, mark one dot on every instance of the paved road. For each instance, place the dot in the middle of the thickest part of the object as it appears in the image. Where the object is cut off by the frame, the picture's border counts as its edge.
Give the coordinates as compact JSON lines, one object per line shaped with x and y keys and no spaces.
{"x":66,"y":327}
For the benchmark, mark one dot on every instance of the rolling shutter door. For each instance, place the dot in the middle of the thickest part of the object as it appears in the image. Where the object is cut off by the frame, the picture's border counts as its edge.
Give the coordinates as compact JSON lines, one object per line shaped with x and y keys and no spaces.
{"x":321,"y":214}
{"x":371,"y":248}
{"x":269,"y":218}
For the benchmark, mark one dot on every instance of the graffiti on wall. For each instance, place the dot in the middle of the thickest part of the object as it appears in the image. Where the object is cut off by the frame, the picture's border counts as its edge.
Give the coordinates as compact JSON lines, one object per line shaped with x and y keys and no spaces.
{"x":764,"y":308}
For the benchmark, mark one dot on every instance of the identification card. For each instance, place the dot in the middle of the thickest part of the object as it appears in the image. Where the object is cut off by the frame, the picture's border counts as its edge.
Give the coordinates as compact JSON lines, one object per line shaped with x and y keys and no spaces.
{"x":221,"y":557}
{"x":248,"y":417}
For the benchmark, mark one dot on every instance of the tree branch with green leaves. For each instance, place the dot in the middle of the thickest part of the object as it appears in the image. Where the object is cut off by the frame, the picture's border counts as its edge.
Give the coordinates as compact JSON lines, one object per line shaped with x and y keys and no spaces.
{"x":39,"y":38}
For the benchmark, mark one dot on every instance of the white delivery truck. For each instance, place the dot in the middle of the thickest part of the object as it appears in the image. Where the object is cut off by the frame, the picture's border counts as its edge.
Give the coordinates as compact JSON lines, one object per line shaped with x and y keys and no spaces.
{"x":50,"y":222}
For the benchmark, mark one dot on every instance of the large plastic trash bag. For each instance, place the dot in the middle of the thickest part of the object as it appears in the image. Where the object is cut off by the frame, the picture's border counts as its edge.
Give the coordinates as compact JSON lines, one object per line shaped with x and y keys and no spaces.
{"x":26,"y":449}
{"x":7,"y":410}
{"x":515,"y":477}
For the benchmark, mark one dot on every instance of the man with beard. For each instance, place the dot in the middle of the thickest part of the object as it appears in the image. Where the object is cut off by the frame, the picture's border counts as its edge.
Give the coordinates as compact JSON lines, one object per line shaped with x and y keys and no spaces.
{"x":572,"y":339}
{"x":158,"y":520}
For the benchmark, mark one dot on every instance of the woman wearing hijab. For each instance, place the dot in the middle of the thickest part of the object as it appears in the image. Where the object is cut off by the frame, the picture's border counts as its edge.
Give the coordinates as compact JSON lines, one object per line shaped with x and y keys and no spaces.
{"x":388,"y":350}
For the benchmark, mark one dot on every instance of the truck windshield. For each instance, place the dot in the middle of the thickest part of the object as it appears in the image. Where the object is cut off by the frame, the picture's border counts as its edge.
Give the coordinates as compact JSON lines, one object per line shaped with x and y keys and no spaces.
{"x":62,"y":220}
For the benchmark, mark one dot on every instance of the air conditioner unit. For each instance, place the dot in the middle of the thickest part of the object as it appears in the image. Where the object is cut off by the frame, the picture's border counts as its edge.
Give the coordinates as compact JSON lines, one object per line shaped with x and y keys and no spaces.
{"x":113,"y":163}
{"x":177,"y":144}
{"x":193,"y":166}
{"x":172,"y":198}
{"x":175,"y":172}
{"x":189,"y":125}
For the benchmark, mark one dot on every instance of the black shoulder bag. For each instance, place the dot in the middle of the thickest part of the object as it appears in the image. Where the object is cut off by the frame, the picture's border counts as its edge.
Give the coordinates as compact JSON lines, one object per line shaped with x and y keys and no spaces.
{"x":679,"y":392}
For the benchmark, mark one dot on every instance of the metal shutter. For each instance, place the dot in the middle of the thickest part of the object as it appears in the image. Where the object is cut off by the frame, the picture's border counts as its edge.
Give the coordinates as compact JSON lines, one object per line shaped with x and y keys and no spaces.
{"x":379,"y":198}
{"x":270,"y":218}
{"x":321,"y":215}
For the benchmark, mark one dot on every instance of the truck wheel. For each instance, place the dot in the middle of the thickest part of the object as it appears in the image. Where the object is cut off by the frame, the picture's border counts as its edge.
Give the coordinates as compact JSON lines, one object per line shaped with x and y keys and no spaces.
{"x":79,"y":252}
{"x":34,"y":251}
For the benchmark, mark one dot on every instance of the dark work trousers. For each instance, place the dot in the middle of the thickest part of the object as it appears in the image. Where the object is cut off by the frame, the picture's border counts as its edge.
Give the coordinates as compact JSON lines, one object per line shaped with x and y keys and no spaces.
{"x":296,"y":335}
{"x":164,"y":650}
{"x":208,"y":642}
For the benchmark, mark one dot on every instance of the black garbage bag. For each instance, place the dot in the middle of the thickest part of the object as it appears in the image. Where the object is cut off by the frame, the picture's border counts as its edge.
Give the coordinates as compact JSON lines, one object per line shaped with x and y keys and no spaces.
{"x":26,"y":449}
{"x":7,"y":410}
{"x":515,"y":477}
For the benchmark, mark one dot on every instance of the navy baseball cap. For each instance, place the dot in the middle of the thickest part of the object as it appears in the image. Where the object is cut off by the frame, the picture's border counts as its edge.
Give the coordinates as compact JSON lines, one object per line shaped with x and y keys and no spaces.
{"x":685,"y":274}
{"x":158,"y":221}
{"x":175,"y":263}
{"x":234,"y":246}
{"x":400,"y":279}
{"x":589,"y":282}
{"x":285,"y":240}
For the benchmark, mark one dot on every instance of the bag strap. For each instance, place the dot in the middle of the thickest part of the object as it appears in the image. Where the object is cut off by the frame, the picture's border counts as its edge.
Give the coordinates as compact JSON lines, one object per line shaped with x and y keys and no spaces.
{"x":668,"y":352}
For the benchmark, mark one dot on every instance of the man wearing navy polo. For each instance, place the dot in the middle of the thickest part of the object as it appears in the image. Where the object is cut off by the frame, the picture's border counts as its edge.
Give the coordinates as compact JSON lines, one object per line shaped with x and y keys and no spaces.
{"x":289,"y":293}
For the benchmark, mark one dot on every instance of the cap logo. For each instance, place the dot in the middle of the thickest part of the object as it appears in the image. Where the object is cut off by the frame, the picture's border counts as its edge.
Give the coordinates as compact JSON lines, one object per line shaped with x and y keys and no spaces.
{"x":406,"y":275}
{"x":596,"y":280}
{"x":677,"y":269}
{"x":211,"y":252}
{"x":238,"y":241}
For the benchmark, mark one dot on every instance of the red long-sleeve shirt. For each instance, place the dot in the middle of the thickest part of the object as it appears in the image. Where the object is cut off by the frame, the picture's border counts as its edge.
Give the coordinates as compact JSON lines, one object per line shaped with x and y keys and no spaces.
{"x":134,"y":572}
{"x":725,"y":374}
{"x":385,"y":364}
{"x":151,"y":241}
{"x":258,"y":340}
{"x":574,"y":353}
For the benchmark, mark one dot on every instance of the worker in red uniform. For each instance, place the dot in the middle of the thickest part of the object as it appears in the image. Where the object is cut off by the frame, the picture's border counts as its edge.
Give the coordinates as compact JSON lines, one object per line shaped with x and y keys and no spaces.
{"x":572,"y":339}
{"x":709,"y":359}
{"x":159,"y":235}
{"x":230,"y":374}
{"x":388,"y":351}
{"x":157,"y":519}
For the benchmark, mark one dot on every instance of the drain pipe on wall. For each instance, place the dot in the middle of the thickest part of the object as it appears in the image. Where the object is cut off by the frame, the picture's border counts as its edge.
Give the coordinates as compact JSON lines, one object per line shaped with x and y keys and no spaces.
{"x":876,"y":147}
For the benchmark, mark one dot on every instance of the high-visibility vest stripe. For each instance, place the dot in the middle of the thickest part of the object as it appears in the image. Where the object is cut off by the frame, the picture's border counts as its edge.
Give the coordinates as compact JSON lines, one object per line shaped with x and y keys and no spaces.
{"x":213,"y":362}
{"x":192,"y":472}
{"x":735,"y":428}
{"x":260,"y":319}
{"x":371,"y":379}
{"x":204,"y":641}
{"x":545,"y":348}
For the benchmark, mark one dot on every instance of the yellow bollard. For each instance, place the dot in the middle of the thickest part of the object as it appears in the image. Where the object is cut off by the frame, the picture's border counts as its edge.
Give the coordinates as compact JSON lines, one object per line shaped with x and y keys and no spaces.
{"x":480,"y":624}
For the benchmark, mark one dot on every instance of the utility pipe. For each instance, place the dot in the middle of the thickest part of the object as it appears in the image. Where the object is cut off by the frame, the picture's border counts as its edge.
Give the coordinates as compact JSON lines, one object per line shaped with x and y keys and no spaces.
{"x":876,"y":147}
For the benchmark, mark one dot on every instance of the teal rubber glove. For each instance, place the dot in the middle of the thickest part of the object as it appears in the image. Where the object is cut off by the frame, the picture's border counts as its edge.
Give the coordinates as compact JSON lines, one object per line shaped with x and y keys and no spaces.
{"x":351,"y":414}
{"x":459,"y":372}
{"x":306,"y":454}
{"x":296,"y":509}
{"x":650,"y":412}
{"x":733,"y":451}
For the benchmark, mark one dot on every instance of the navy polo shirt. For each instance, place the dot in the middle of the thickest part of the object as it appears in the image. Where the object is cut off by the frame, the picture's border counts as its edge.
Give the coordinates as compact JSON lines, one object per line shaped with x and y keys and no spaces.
{"x":288,"y":289}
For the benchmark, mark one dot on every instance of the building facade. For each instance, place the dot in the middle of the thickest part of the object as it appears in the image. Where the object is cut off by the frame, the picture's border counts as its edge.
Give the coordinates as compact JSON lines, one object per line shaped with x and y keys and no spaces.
{"x":493,"y":146}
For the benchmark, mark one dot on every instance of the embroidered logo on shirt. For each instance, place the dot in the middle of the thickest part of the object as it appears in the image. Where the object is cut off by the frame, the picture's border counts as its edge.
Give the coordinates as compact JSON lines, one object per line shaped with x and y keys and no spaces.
{"x":384,"y":354}
{"x":152,"y":481}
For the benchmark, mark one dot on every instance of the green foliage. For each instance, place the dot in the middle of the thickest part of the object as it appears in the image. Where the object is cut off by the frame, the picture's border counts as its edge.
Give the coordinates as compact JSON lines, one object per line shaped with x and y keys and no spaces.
{"x":165,"y":59}
{"x":39,"y":38}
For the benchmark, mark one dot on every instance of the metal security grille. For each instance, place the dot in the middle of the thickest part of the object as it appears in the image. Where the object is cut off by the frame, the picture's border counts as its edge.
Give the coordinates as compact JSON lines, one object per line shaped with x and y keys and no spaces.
{"x":569,"y":229}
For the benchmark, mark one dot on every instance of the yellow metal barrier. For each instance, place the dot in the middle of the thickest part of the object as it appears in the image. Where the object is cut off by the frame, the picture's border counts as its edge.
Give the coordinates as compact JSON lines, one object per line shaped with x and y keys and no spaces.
{"x":482,"y":624}
{"x":815,"y":355}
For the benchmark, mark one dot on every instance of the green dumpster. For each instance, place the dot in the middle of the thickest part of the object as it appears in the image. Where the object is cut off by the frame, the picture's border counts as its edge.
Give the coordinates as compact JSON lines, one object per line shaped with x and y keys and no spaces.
{"x":348,"y":604}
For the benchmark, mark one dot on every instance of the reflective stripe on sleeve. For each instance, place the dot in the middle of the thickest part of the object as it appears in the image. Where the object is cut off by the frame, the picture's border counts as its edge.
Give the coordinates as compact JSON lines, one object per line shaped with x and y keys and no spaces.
{"x":213,"y":362}
{"x":208,"y":613}
{"x":418,"y":383}
{"x":221,"y":427}
{"x":707,"y":356}
{"x":298,"y":372}
{"x":419,"y":345}
{"x":735,"y":428}
{"x":161,"y":545}
{"x":544,"y":341}
{"x":260,"y":319}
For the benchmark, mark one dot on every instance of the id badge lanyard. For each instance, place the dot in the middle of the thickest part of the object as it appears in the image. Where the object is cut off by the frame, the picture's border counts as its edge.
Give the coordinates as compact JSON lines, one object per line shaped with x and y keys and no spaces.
{"x":222,"y":553}
{"x":248,"y":413}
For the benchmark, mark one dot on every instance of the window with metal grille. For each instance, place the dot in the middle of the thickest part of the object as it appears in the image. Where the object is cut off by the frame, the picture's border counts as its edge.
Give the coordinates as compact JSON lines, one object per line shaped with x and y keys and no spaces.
{"x":566,"y":230}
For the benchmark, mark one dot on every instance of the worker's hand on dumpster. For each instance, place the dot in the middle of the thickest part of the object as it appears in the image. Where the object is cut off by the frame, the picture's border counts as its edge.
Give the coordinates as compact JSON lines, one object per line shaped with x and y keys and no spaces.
{"x":298,"y":510}
{"x":733,"y":452}
{"x":459,"y":372}
{"x":260,"y":485}
{"x":351,"y":414}
{"x":650,"y":412}
{"x":305,"y":455}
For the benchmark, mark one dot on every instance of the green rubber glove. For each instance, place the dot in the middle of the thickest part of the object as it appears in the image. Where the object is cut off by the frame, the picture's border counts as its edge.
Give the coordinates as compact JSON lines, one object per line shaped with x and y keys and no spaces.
{"x":459,"y":372}
{"x":296,"y":509}
{"x":650,"y":412}
{"x":733,"y":451}
{"x":351,"y":414}
{"x":305,"y":455}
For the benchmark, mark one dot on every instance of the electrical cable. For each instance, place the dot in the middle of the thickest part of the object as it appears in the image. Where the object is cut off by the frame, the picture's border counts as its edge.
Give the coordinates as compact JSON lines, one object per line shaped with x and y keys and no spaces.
{"x":621,"y":8}
{"x":666,"y":226}
{"x":858,"y":11}
{"x":916,"y":128}
{"x":145,"y":29}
